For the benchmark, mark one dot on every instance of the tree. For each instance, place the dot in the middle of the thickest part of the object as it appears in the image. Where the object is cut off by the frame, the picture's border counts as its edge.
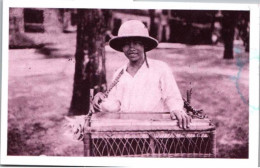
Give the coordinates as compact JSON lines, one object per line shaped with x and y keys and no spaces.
{"x":153,"y":29}
{"x":90,"y":59}
{"x":228,"y":31}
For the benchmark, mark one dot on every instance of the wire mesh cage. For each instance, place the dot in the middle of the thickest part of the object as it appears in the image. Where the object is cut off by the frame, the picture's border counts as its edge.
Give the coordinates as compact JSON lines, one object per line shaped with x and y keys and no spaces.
{"x":147,"y":135}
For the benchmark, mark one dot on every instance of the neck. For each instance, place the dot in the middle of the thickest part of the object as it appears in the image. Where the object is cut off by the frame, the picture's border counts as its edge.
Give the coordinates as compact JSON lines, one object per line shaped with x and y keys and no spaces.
{"x":133,"y":67}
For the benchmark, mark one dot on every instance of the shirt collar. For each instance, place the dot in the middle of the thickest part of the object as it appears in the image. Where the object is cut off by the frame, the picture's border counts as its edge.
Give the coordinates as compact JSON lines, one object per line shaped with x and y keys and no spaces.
{"x":140,"y":70}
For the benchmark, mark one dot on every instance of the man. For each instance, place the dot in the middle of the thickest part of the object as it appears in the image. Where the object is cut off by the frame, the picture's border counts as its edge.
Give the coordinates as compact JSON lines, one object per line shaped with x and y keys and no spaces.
{"x":142,"y":85}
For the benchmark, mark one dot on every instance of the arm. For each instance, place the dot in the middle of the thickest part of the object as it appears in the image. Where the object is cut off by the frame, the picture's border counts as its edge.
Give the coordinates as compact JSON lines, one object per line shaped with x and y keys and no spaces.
{"x":172,"y":97}
{"x":109,"y":98}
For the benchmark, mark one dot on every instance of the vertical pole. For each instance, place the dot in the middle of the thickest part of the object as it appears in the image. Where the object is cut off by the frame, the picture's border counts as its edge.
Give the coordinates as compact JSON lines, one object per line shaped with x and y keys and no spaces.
{"x":152,"y":145}
{"x":213,"y":142}
{"x":87,"y":144}
{"x":87,"y":134}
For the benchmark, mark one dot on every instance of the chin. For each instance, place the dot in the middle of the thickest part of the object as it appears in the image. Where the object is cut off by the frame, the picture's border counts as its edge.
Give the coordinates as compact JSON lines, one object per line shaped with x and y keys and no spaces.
{"x":134,"y":59}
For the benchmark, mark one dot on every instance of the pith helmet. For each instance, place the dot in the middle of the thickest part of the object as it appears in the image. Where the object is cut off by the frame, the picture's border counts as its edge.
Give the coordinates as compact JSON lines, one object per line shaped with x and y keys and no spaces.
{"x":133,"y":29}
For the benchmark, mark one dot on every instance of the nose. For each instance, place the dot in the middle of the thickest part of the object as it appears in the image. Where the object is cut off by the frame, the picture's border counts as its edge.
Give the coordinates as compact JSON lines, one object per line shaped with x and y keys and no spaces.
{"x":131,"y":44}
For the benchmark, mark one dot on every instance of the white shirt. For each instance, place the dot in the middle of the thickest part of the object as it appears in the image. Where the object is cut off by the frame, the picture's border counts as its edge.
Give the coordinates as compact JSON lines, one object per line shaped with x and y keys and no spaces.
{"x":149,"y":90}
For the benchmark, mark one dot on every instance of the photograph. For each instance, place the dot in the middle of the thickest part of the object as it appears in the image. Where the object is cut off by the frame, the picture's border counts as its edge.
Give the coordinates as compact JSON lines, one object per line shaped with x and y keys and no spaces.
{"x":96,"y":82}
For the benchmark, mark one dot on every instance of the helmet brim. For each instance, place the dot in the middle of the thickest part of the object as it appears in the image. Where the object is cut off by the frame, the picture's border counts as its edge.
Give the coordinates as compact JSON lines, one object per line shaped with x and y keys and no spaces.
{"x":117,"y":43}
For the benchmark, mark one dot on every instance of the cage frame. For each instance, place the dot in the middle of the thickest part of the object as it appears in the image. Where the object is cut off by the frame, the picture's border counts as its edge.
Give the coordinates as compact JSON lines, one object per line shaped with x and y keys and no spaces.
{"x":120,"y":124}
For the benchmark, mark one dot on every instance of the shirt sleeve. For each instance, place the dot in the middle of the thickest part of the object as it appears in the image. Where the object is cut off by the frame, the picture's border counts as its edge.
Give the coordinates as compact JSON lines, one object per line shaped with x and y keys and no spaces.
{"x":170,"y":92}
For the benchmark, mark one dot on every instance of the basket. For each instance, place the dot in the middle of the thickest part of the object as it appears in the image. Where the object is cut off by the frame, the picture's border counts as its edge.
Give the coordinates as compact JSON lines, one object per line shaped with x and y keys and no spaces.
{"x":147,"y":135}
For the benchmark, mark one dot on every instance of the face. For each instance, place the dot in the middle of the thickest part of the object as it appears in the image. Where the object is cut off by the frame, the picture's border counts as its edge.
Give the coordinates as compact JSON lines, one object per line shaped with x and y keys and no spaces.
{"x":134,"y":50}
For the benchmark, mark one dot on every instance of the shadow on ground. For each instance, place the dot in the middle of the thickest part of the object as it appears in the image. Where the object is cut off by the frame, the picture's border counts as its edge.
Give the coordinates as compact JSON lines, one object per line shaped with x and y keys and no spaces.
{"x":49,"y":45}
{"x":49,"y":50}
{"x":22,"y":41}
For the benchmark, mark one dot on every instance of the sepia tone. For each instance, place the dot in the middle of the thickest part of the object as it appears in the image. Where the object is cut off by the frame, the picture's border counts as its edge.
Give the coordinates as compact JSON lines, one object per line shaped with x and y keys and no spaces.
{"x":55,"y":57}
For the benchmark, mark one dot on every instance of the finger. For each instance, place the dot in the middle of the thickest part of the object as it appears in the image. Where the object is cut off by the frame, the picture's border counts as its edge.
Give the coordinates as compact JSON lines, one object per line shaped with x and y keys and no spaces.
{"x":102,"y":96}
{"x":96,"y":100}
{"x":97,"y":107}
{"x":179,"y":120}
{"x":190,"y":119}
{"x":173,"y":116}
{"x":184,"y":122}
{"x":187,"y":121}
{"x":98,"y":97}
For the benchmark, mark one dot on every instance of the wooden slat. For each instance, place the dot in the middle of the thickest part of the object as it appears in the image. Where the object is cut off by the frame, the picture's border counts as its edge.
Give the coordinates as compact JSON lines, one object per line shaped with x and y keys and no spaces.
{"x":137,"y":125}
{"x":132,"y":115}
{"x":119,"y":136}
{"x":125,"y":135}
{"x":111,"y":122}
{"x":146,"y":128}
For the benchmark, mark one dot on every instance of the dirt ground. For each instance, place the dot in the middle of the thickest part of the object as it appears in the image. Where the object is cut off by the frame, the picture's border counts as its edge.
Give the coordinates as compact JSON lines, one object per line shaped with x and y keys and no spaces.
{"x":40,"y":91}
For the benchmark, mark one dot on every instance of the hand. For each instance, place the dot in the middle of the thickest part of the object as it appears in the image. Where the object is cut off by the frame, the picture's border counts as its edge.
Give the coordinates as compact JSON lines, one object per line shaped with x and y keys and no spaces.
{"x":98,"y":98}
{"x":183,"y":119}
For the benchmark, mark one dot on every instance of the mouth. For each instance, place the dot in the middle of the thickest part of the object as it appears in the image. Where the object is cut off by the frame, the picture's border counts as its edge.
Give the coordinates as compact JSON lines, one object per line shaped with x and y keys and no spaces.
{"x":132,"y":53}
{"x":132,"y":56}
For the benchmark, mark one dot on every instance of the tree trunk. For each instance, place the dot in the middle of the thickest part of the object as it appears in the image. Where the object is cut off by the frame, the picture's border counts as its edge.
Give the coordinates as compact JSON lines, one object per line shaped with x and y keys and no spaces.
{"x":228,"y":31}
{"x":153,"y":29}
{"x":90,"y":60}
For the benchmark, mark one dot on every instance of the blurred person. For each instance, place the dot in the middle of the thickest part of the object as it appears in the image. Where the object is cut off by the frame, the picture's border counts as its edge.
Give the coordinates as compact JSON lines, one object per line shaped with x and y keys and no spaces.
{"x":143,"y":84}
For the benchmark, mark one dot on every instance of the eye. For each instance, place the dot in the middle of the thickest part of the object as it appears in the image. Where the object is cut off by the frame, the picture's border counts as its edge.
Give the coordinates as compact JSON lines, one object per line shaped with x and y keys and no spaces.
{"x":138,"y":43}
{"x":125,"y":46}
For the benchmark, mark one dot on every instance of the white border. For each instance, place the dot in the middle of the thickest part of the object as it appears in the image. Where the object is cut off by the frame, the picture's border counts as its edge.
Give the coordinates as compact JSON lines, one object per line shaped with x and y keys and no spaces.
{"x":151,"y":162}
